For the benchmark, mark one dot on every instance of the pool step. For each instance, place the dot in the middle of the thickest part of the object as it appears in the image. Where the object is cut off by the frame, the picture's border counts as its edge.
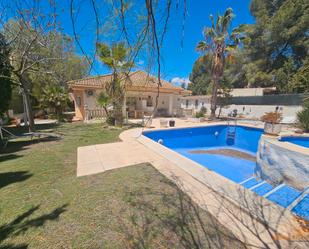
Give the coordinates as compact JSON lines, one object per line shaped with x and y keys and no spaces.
{"x":302,"y":208}
{"x":263,"y":188}
{"x":257,"y":185}
{"x":273,"y":190}
{"x":283,"y":195}
{"x":298,"y":199}
{"x":246,"y":180}
{"x":231,"y":130}
{"x":250,"y":183}
{"x":231,"y":135}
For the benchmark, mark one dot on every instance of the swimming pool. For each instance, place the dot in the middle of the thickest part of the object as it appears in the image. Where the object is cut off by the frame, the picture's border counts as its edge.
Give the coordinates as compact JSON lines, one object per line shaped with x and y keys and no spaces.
{"x":231,"y":152}
{"x":301,"y":141}
{"x":211,"y":146}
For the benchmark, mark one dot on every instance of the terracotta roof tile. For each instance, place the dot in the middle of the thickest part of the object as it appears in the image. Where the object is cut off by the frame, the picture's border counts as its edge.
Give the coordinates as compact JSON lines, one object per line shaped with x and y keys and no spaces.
{"x":137,"y":79}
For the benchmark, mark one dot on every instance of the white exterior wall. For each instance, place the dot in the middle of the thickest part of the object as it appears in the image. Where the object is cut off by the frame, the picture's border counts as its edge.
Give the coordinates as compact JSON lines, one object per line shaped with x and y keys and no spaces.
{"x":170,"y":102}
{"x":257,"y":111}
{"x":249,"y":111}
{"x":167,"y":101}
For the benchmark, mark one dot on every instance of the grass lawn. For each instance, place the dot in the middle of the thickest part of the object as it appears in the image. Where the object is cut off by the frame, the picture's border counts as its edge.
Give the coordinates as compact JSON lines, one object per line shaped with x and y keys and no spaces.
{"x":44,"y":205}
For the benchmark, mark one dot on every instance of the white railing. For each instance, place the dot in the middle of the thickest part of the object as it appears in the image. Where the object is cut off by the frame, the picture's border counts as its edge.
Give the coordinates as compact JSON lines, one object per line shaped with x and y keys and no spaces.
{"x":96,"y":113}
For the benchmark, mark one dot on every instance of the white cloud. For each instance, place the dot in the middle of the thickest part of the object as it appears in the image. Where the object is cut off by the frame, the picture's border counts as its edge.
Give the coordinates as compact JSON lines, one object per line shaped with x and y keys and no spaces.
{"x":178,"y":81}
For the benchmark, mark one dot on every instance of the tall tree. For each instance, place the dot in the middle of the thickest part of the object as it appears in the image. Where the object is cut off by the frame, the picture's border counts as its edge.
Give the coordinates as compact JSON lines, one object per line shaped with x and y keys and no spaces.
{"x":116,"y":58}
{"x":55,"y":73}
{"x":27,"y":41}
{"x":200,"y":76}
{"x":278,"y":44}
{"x":219,"y":43}
{"x":5,"y":75}
{"x":42,"y":58}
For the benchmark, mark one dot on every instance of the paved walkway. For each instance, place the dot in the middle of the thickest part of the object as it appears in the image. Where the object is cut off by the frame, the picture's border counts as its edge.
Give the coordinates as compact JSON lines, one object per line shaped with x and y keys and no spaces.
{"x":100,"y":158}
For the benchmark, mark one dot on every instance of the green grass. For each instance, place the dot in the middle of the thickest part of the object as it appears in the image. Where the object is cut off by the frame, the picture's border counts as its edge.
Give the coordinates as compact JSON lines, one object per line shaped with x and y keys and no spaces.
{"x":44,"y":205}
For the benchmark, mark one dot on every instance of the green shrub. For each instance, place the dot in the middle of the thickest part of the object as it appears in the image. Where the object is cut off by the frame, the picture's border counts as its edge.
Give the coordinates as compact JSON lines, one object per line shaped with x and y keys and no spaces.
{"x":199,"y":114}
{"x":110,"y":120}
{"x":303,"y":117}
{"x":203,"y":110}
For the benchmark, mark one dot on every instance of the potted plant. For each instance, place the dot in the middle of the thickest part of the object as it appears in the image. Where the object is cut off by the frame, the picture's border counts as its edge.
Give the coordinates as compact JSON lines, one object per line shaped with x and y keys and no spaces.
{"x":172,"y":123}
{"x":272,"y":124}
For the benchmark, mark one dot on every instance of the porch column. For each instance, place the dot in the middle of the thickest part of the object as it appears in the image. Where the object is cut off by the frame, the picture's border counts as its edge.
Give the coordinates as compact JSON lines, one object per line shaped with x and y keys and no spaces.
{"x":170,"y":104}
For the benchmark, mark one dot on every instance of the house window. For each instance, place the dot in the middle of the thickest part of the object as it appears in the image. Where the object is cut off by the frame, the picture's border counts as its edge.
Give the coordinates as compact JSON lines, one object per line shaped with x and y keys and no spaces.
{"x":78,"y":101}
{"x":149,"y":101}
{"x":196,"y":103}
{"x":187,"y":103}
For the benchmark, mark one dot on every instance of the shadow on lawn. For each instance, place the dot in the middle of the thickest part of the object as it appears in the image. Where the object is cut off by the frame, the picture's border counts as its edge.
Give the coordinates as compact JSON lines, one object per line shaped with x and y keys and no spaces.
{"x":9,"y":157}
{"x":24,"y":129}
{"x":22,"y":223}
{"x":170,"y":219}
{"x":23,"y":143}
{"x":7,"y":178}
{"x":15,"y":146}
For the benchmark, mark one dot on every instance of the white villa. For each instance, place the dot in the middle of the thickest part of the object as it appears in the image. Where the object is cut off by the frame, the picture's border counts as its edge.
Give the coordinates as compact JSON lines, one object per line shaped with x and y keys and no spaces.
{"x":141,"y":92}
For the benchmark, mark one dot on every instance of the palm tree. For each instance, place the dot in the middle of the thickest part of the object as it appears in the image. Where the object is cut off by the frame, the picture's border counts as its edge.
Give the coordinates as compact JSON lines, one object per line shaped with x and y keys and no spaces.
{"x":116,"y":58}
{"x":54,"y":97}
{"x":216,"y":44}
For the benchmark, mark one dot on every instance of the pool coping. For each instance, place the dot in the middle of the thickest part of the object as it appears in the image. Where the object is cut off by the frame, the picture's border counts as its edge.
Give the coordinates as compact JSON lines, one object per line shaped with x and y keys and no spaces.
{"x":262,"y":209}
{"x":291,"y":146}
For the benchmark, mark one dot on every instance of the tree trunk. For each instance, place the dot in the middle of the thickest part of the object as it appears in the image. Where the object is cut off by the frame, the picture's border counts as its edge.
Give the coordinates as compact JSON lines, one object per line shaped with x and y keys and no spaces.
{"x":220,"y":109}
{"x":29,"y":112}
{"x":213,"y":101}
{"x":118,"y":115}
{"x":27,"y":100}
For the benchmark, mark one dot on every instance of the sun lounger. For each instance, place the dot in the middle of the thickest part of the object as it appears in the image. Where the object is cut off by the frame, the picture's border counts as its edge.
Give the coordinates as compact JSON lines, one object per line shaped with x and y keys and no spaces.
{"x":10,"y":136}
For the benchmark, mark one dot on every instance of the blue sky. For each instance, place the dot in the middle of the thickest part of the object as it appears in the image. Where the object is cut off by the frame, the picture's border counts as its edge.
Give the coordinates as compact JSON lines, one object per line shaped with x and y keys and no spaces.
{"x":177,"y":60}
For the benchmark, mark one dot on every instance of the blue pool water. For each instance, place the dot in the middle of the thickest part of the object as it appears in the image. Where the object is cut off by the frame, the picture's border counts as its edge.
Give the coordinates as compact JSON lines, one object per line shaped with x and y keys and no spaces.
{"x":302,"y":141}
{"x":244,"y":139}
{"x":186,"y":140}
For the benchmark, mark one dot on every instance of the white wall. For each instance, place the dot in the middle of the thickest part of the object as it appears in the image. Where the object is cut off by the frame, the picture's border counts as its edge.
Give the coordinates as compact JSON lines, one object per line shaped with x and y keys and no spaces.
{"x":250,"y":111}
{"x":256,"y":111}
{"x":202,"y":102}
{"x":167,"y":101}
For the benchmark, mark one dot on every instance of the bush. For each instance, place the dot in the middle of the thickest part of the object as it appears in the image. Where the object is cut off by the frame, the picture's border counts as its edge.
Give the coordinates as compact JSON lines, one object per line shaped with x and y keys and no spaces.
{"x":203,"y":110}
{"x":110,"y":120}
{"x":303,"y":117}
{"x":201,"y":113}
